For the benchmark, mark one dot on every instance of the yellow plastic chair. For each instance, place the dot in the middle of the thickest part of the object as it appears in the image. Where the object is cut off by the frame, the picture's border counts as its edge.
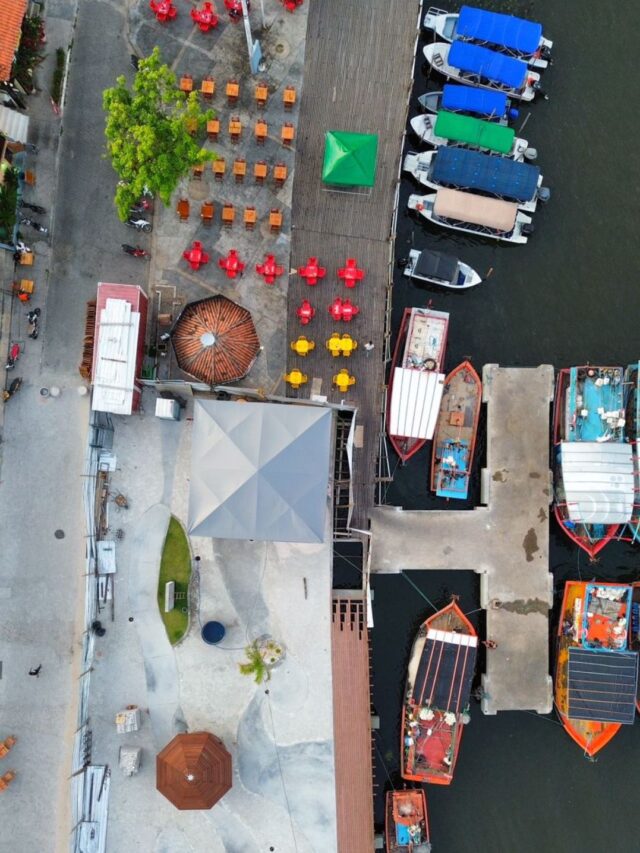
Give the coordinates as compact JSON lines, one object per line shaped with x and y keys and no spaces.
{"x":296,"y":378}
{"x":343,"y":381}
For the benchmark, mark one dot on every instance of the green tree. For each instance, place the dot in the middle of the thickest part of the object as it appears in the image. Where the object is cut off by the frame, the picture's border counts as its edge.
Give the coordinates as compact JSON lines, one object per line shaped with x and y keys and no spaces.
{"x":149,"y":133}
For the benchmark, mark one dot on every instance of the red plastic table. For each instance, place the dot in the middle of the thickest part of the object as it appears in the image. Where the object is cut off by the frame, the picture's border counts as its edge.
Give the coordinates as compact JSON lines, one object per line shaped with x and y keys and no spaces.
{"x":195,"y":256}
{"x":205,"y":18}
{"x":164,"y":10}
{"x":343,"y":309}
{"x":269,"y":269}
{"x":305,"y":312}
{"x":312,"y":272}
{"x":232,"y":264}
{"x":350,"y":273}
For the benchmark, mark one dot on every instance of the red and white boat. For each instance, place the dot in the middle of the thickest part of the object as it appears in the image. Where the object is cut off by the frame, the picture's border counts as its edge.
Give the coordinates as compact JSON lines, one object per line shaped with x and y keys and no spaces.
{"x":416,"y":381}
{"x":406,"y":822}
{"x":436,"y":705}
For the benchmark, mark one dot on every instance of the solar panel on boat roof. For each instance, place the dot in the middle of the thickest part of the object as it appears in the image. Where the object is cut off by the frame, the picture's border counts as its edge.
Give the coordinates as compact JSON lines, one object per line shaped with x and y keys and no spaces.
{"x":436,"y":265}
{"x":602,"y":685}
{"x":445,"y":671}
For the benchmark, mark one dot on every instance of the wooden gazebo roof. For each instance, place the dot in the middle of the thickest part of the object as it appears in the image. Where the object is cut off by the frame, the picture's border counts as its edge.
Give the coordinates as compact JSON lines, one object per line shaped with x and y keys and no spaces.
{"x":194,"y":771}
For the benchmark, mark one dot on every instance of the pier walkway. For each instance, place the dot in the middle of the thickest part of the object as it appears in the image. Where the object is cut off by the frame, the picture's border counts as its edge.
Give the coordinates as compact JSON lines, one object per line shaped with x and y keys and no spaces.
{"x":506,"y":541}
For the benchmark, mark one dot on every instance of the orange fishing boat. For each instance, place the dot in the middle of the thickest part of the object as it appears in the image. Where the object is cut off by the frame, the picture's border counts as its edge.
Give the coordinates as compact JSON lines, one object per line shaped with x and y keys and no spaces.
{"x":406,"y":822}
{"x":596,"y":672}
{"x":436,"y":705}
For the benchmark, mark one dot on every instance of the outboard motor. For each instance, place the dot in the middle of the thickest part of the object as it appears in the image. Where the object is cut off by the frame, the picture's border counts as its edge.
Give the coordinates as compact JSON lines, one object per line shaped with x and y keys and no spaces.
{"x":537,"y":88}
{"x":528,"y":228}
{"x":545,"y":53}
{"x":530,"y":154}
{"x":544,"y":194}
{"x":513,"y":114}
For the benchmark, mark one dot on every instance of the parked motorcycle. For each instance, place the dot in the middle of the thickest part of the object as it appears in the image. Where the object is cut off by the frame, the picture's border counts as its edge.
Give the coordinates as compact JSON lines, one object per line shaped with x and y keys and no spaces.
{"x":36,"y":225}
{"x":35,"y":331}
{"x":36,"y":208}
{"x":12,"y":389}
{"x":14,"y":355}
{"x":139,"y":224}
{"x":135,"y":251}
{"x":142,"y":206}
{"x":33,"y":316}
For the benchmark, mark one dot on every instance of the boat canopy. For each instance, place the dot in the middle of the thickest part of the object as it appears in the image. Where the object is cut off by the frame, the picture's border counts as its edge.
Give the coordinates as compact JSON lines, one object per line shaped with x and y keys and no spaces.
{"x":436,"y":265}
{"x":499,"y":29}
{"x":488,"y":64}
{"x":466,"y":99}
{"x":598,"y":481}
{"x":602,"y":686}
{"x":445,"y":671}
{"x":476,"y":209}
{"x":474,"y":131}
{"x":476,"y":171}
{"x":415,"y":402}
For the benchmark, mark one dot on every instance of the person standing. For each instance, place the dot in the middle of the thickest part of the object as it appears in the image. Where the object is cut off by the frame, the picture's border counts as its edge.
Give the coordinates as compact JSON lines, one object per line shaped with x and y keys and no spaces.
{"x":369,"y":347}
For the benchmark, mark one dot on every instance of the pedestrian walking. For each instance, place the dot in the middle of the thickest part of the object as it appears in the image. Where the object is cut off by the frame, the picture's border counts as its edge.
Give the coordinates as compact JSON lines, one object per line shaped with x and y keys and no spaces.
{"x":36,"y":670}
{"x":369,"y":347}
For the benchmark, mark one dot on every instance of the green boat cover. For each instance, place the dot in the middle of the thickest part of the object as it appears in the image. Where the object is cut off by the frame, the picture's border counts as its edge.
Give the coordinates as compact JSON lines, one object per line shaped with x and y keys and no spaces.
{"x":350,"y":158}
{"x":475,"y":132}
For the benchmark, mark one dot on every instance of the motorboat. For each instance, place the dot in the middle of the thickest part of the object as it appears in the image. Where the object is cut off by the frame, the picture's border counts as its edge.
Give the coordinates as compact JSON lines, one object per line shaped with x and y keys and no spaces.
{"x":454,"y":442}
{"x":416,"y":379}
{"x":455,"y":130}
{"x":507,"y":34}
{"x":478,"y":66}
{"x":474,"y":214}
{"x":461,"y":168}
{"x":441,"y":269}
{"x":407,"y":822}
{"x":491,"y":106}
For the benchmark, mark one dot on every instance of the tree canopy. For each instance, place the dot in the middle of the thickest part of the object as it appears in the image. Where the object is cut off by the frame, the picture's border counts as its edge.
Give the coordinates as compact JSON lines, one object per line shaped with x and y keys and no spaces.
{"x":149,"y":133}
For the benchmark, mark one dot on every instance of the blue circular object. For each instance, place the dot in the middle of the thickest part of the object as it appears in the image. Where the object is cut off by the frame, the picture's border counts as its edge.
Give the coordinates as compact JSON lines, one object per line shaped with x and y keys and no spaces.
{"x":213,"y":633}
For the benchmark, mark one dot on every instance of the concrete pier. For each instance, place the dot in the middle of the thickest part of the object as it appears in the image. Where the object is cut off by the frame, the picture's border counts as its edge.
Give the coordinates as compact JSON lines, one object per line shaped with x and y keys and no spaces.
{"x":506,"y":541}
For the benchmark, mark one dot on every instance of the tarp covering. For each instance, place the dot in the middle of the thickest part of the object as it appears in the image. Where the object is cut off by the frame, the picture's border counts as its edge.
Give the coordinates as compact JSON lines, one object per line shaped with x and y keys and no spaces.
{"x":445,"y":671}
{"x":598,"y":481}
{"x":496,"y":28}
{"x":350,"y":158}
{"x":473,"y":170}
{"x":259,"y":471}
{"x":466,"y":99}
{"x":476,"y":209}
{"x":474,"y":131}
{"x":14,"y":125}
{"x":602,"y":685}
{"x":415,"y":402}
{"x":436,"y":265}
{"x":488,"y":64}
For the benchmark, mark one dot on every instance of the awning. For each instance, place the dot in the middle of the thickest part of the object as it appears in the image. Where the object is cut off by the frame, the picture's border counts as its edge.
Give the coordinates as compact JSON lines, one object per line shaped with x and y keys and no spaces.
{"x":602,"y":685}
{"x":415,"y":402}
{"x":476,"y":209}
{"x":350,"y":159}
{"x":436,"y":265}
{"x":467,"y":99}
{"x":598,"y":481}
{"x":488,"y":64}
{"x":475,"y":131}
{"x":499,"y":29}
{"x":473,"y":170}
{"x":445,"y":671}
{"x":14,"y":125}
{"x":116,"y":357}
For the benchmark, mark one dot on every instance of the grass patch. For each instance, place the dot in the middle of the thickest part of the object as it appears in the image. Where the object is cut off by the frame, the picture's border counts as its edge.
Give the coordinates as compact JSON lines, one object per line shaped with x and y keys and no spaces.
{"x":58,"y":76}
{"x":175,"y":566}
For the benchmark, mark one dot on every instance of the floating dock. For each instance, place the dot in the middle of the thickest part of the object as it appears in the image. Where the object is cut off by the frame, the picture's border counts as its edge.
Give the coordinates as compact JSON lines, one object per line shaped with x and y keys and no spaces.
{"x":506,"y":541}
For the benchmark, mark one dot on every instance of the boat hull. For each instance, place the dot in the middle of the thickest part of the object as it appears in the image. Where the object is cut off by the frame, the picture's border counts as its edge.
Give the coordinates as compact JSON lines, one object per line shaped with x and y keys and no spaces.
{"x":423,"y":127}
{"x":424,"y":206}
{"x":407,"y":808}
{"x":469,"y":276}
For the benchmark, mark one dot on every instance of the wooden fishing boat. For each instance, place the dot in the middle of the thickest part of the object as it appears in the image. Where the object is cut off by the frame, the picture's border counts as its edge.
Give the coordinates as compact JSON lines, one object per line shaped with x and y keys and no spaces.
{"x":507,"y":34}
{"x":478,"y":66}
{"x":631,"y":531}
{"x":406,"y":822}
{"x":467,"y":100}
{"x":436,"y":705}
{"x":416,"y":380}
{"x":593,"y":465}
{"x":454,"y":442}
{"x":459,"y":131}
{"x":440,"y":269}
{"x":596,"y":672}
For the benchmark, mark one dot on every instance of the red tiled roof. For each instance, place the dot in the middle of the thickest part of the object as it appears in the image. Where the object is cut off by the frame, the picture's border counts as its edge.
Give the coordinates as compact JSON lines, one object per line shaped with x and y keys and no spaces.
{"x":352,"y":725}
{"x":11,"y":14}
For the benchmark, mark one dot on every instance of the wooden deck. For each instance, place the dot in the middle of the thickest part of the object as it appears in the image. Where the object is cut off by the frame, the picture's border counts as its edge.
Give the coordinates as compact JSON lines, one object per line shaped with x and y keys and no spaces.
{"x":357,"y":77}
{"x":352,"y":725}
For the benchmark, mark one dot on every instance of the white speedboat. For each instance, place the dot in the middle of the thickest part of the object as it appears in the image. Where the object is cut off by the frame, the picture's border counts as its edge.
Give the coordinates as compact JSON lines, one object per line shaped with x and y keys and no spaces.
{"x":516,"y":37}
{"x":474,"y":214}
{"x":441,"y":269}
{"x":477,"y":66}
{"x":466,"y":132}
{"x":489,"y":106}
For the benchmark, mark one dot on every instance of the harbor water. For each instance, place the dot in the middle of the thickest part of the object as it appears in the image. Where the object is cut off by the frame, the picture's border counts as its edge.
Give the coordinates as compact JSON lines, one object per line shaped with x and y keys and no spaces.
{"x":570,"y":296}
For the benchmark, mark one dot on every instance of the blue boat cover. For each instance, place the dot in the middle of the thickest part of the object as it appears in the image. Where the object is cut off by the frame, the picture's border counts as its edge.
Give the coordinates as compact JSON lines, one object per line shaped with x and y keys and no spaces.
{"x":472,"y":170}
{"x":602,"y":685}
{"x":487,"y":63}
{"x":466,"y":99}
{"x":495,"y":28}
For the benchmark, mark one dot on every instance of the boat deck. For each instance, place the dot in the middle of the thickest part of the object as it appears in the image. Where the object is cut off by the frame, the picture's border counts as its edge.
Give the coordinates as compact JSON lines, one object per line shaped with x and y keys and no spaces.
{"x":505,"y":541}
{"x":357,"y":77}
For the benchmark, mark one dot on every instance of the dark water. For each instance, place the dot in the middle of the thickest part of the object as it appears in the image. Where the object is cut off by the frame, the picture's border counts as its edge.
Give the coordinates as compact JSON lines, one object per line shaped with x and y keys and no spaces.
{"x":569,"y":296}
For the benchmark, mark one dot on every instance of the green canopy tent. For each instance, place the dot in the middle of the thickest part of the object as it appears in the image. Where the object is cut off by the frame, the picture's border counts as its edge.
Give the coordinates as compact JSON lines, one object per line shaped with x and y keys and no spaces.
{"x":350,"y":159}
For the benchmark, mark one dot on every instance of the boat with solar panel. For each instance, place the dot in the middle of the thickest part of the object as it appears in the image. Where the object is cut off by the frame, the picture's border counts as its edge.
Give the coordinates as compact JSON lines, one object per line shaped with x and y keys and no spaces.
{"x":516,"y":37}
{"x":594,"y":484}
{"x":406,"y":822}
{"x":467,"y":100}
{"x":479,"y":66}
{"x":454,"y":441}
{"x":498,"y":177}
{"x":440,"y":269}
{"x":596,"y":672}
{"x":474,"y":214}
{"x":436,"y":705}
{"x":455,"y":130}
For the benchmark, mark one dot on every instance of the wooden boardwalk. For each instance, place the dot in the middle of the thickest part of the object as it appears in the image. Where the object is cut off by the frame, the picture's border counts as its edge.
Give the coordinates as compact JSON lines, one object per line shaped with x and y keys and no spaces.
{"x":357,"y":77}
